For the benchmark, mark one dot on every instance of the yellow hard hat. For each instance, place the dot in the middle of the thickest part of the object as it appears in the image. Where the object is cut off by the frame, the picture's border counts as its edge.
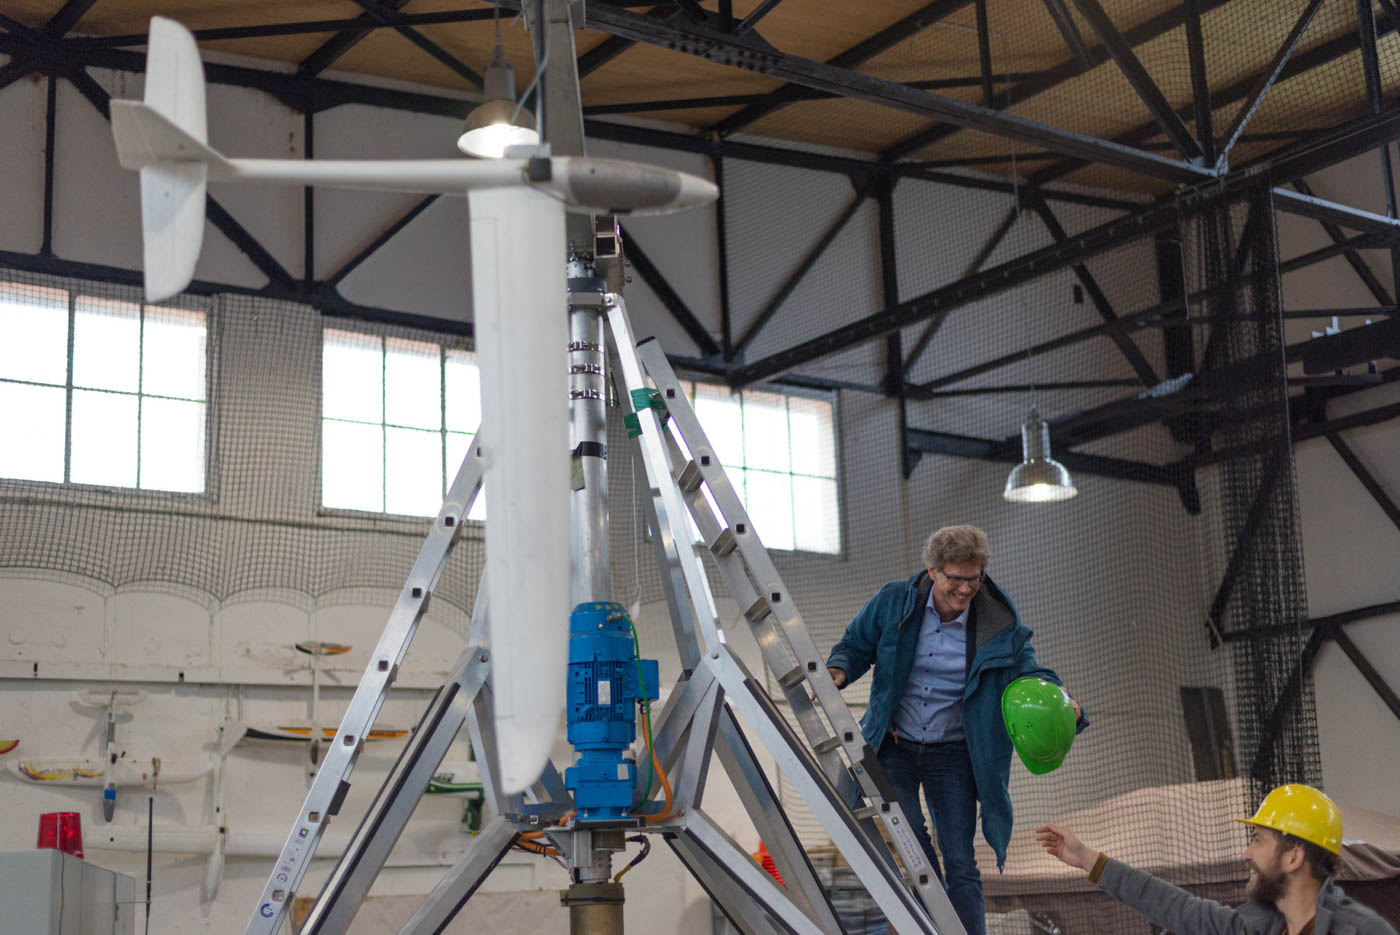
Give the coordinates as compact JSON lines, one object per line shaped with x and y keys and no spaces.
{"x":1303,"y":812}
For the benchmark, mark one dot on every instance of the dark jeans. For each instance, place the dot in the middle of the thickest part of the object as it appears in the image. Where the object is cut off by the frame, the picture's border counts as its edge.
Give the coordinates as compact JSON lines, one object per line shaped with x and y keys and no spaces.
{"x":944,"y":770}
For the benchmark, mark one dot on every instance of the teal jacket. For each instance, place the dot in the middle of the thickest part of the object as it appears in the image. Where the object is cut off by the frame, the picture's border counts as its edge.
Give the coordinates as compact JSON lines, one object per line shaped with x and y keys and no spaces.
{"x":884,"y":634}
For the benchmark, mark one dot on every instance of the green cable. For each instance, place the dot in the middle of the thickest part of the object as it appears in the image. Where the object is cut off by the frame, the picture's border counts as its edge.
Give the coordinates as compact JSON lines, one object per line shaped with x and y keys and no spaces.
{"x":646,"y":708}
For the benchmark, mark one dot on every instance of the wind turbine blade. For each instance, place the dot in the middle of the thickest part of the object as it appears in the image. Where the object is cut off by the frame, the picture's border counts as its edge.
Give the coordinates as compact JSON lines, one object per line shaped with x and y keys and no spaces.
{"x":522,"y":335}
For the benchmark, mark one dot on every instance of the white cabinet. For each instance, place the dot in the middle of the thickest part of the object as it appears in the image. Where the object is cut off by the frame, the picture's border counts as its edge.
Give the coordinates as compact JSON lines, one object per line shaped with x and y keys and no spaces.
{"x":45,"y":892}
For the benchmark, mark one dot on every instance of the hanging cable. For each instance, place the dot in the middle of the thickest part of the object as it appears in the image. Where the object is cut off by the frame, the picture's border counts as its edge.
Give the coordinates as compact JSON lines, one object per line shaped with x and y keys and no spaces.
{"x":646,"y":849}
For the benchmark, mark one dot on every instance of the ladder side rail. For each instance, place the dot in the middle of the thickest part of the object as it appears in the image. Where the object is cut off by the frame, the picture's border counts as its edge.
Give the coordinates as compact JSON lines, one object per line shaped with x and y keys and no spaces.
{"x":865,"y":769}
{"x":668,"y":560}
{"x":670,"y":510}
{"x":929,"y":911}
{"x":780,"y":603}
{"x":331,"y":784}
{"x":777,"y":653}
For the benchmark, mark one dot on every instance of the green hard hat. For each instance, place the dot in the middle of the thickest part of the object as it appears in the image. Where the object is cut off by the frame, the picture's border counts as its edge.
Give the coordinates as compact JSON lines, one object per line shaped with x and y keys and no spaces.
{"x":1040,"y":722}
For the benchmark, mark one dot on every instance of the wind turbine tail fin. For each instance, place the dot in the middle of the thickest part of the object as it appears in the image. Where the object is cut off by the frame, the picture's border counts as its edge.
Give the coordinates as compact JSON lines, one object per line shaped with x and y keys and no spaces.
{"x":165,"y":137}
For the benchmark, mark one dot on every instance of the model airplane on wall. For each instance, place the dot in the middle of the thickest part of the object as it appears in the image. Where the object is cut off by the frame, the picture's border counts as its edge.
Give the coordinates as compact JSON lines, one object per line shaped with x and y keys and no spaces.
{"x":516,"y":208}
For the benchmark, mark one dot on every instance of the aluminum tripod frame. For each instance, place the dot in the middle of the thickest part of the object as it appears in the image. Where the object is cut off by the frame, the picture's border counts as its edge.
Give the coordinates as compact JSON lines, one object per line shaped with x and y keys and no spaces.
{"x":826,"y":760}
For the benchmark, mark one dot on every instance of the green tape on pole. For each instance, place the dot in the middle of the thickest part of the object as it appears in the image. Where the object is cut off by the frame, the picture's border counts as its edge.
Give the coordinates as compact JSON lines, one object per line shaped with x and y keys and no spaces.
{"x":633,"y":425}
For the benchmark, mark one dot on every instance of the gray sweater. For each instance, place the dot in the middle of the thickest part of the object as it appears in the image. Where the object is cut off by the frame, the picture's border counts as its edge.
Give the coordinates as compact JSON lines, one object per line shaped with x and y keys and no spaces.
{"x":1176,"y":910}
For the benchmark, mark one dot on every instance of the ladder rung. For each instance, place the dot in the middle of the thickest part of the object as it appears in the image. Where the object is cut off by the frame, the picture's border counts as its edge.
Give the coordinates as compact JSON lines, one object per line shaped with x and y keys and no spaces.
{"x":724,"y":543}
{"x":827,"y":745}
{"x":758,"y":610}
{"x":867,"y":811}
{"x":793,"y":676}
{"x":689,"y":478}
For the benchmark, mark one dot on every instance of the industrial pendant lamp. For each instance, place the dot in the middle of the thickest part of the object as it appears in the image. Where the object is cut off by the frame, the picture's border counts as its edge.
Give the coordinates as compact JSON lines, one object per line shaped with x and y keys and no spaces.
{"x":498,"y":122}
{"x":1039,"y":478}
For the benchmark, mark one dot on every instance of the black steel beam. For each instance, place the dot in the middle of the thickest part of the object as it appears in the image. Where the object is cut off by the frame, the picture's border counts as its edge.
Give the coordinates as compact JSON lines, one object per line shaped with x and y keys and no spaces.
{"x":421,"y":41}
{"x":758,"y":12}
{"x":863,"y":51}
{"x":990,"y":244}
{"x":1330,"y":622}
{"x":1105,"y":309}
{"x":1200,"y":86}
{"x":1023,"y":388}
{"x":1022,"y":269}
{"x":1368,"y":671}
{"x":1266,"y":79}
{"x":299,"y":28}
{"x":380,"y":240}
{"x":739,"y":100}
{"x":13,"y":70}
{"x":1153,"y":316}
{"x":1370,"y":63}
{"x":726,"y":322}
{"x":1244,"y":543}
{"x":1272,"y":727}
{"x":1305,"y":204}
{"x":1153,"y":28}
{"x":718,"y":47}
{"x":984,"y":53}
{"x":50,"y":123}
{"x":1354,"y":260}
{"x":1318,"y":56}
{"x":345,"y":40}
{"x":1367,"y":479}
{"x":1064,"y":22}
{"x":1008,"y":451}
{"x":331,"y":304}
{"x":1122,"y":51}
{"x":810,"y":260}
{"x":67,"y":17}
{"x":1354,"y":345}
{"x":670,"y":299}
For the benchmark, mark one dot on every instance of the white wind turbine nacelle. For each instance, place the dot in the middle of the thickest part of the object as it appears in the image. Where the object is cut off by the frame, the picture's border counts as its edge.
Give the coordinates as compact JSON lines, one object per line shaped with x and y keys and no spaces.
{"x":516,"y":207}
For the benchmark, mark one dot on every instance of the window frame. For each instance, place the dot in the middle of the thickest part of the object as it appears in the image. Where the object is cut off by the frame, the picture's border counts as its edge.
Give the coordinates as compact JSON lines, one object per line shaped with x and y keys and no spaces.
{"x":80,"y":289}
{"x":832,"y":396}
{"x":384,"y":332}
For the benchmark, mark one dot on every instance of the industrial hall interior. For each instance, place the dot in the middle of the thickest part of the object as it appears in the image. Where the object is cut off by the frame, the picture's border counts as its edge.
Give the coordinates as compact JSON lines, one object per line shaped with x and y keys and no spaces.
{"x":699,"y":467}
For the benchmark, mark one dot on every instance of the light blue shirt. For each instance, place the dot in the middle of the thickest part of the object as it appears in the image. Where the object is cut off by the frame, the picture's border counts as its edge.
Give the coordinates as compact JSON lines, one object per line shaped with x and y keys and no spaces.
{"x":931,"y":709}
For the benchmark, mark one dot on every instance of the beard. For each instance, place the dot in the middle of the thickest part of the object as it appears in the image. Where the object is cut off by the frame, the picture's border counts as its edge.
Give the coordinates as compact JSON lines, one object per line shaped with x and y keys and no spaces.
{"x":1265,"y":887}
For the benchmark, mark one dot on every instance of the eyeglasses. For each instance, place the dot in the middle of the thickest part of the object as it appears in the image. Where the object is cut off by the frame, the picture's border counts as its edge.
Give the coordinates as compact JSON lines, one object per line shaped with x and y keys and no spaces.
{"x":958,"y":581}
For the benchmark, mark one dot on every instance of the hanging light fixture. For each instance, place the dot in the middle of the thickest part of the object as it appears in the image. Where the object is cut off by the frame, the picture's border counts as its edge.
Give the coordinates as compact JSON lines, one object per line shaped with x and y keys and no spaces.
{"x":1039,"y":478}
{"x":498,"y":121}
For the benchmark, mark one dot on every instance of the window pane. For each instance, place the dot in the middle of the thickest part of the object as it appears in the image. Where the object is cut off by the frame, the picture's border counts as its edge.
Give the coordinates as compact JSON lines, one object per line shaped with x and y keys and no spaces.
{"x":766,"y":432}
{"x":352,"y":377}
{"x":34,"y":322}
{"x":463,"y":392}
{"x":31,"y":426}
{"x":813,"y":432}
{"x":816,"y":522}
{"x":412,"y":384}
{"x":413,"y":460}
{"x":172,"y":445}
{"x":769,"y":503}
{"x":172,"y":359}
{"x":718,"y":412}
{"x":352,"y":466}
{"x":457,"y":445}
{"x":107,"y":346}
{"x":104,"y":439}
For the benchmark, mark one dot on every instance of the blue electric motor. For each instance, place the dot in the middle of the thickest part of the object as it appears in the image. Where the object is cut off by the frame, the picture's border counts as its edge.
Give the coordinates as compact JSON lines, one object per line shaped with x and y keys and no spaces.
{"x":604,"y":689}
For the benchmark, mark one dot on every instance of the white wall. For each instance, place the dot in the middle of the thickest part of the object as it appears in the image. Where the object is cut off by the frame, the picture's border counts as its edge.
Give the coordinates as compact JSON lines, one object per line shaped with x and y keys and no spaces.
{"x":1111,"y":631}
